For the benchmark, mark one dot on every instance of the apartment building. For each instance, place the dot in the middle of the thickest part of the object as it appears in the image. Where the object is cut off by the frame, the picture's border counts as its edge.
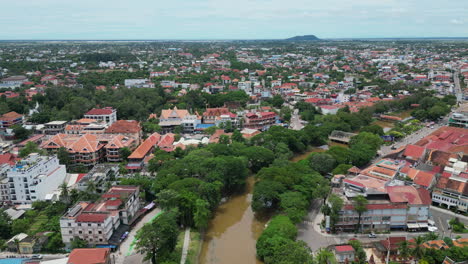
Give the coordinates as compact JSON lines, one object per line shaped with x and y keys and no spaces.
{"x":451,"y":189}
{"x":398,"y":208}
{"x":97,"y":222}
{"x":90,"y":149}
{"x":54,"y":127}
{"x":10,"y":119}
{"x":260,"y":120}
{"x":35,"y":178}
{"x":107,"y":114}
{"x":190,"y":123}
{"x":13,"y":81}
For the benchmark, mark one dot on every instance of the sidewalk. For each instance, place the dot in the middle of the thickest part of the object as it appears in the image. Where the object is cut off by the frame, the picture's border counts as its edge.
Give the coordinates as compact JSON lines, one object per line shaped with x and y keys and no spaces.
{"x":186,"y":246}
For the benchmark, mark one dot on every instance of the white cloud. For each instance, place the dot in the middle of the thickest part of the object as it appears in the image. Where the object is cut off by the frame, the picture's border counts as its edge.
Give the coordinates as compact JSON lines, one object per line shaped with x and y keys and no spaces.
{"x":457,"y":21}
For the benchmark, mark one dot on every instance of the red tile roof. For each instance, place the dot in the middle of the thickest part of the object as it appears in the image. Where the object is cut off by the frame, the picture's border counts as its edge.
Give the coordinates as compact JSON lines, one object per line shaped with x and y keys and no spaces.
{"x":89,"y":256}
{"x":124,"y":126}
{"x":413,"y":151}
{"x":345,"y":248}
{"x":91,"y":217}
{"x":145,"y":147}
{"x":409,"y":194}
{"x":100,"y":111}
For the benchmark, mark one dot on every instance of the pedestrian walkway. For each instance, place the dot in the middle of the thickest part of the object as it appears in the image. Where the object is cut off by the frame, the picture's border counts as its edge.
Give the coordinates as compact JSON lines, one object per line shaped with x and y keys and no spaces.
{"x":186,"y":246}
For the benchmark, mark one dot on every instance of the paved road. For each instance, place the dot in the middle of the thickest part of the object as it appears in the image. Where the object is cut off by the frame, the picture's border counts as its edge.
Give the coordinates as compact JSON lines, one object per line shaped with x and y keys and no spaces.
{"x":458,"y":91}
{"x":126,"y":250}
{"x":441,"y":216}
{"x":296,"y":122}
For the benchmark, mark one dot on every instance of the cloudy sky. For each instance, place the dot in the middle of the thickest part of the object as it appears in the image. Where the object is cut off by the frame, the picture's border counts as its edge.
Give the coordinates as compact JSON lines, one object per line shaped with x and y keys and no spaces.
{"x":228,"y":19}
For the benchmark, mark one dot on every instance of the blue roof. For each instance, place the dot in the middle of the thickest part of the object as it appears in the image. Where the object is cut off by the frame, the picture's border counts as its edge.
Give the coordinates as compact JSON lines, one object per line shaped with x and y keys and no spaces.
{"x":203,"y":126}
{"x":12,"y":260}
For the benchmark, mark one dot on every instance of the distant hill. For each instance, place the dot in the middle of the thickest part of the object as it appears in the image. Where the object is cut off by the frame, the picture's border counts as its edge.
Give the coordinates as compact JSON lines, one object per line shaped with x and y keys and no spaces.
{"x":303,"y":38}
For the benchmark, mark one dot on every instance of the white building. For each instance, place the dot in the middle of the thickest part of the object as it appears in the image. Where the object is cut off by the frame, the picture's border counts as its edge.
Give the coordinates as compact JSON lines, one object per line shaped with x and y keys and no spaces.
{"x":190,"y":123}
{"x":13,"y":81}
{"x":138,"y":83}
{"x":34,"y":177}
{"x":107,"y":114}
{"x":97,"y":222}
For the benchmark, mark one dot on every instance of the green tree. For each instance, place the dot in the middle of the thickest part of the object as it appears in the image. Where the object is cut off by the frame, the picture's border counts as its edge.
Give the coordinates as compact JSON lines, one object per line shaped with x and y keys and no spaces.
{"x":360,"y":206}
{"x":202,"y":214}
{"x":79,"y":243}
{"x":124,"y":153}
{"x":167,"y":199}
{"x":29,"y":148}
{"x":64,"y":192}
{"x":5,"y":226}
{"x":342,"y":169}
{"x":20,"y":132}
{"x":237,"y":136}
{"x":325,"y":256}
{"x":418,"y":249}
{"x":63,"y":156}
{"x":322,"y":163}
{"x":266,"y":195}
{"x":360,"y":254}
{"x":158,"y":239}
{"x":374,"y":129}
{"x":367,"y":138}
{"x":294,"y":205}
{"x":404,"y":249}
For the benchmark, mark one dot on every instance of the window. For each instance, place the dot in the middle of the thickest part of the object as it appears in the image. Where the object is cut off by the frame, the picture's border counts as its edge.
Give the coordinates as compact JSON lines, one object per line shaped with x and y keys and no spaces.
{"x":80,"y":232}
{"x":79,"y":224}
{"x":100,"y":240}
{"x":89,"y":224}
{"x":100,"y":232}
{"x":69,"y":224}
{"x":70,"y":232}
{"x":90,"y":232}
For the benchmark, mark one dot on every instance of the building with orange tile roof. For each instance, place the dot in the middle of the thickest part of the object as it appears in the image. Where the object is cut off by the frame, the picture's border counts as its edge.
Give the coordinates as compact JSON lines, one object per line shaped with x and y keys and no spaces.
{"x":89,"y":149}
{"x":10,"y":119}
{"x":171,"y":118}
{"x":129,"y":128}
{"x":136,"y":159}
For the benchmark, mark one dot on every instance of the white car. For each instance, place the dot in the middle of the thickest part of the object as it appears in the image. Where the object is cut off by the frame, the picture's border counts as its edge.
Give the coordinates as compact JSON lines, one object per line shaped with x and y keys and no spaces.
{"x":432,"y":229}
{"x":372,"y":235}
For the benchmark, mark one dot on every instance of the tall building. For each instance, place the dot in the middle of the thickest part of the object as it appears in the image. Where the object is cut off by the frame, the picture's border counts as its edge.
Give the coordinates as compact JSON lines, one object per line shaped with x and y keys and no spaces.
{"x":35,"y":178}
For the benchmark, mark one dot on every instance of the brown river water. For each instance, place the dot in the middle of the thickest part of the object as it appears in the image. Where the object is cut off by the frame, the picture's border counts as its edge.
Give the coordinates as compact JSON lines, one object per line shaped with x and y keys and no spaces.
{"x":233,"y":232}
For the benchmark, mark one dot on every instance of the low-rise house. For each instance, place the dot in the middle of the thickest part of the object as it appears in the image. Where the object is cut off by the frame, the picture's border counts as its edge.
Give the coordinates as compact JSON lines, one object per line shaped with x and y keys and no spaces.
{"x":451,"y":189}
{"x":90,"y":256}
{"x":107,"y":114}
{"x":99,"y":176}
{"x":344,"y":253}
{"x":212,"y":114}
{"x":138,"y":83}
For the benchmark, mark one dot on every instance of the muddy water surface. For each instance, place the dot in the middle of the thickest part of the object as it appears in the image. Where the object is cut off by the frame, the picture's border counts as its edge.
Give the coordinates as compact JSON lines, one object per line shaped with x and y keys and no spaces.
{"x":233,"y":232}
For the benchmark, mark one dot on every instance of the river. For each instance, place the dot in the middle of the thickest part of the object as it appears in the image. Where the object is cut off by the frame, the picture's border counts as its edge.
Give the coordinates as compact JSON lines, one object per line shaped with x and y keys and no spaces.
{"x":233,"y":232}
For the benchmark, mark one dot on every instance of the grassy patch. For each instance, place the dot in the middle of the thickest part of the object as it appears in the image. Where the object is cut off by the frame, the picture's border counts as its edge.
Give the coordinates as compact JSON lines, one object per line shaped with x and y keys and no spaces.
{"x":194,"y":248}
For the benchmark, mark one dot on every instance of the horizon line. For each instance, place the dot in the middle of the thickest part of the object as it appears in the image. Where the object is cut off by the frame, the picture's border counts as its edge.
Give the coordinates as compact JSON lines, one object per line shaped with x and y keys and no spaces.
{"x":233,"y":39}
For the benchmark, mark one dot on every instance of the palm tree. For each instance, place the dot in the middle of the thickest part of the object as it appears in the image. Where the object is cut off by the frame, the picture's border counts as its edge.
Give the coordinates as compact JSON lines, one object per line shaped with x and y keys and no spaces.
{"x":418,"y":250}
{"x":64,"y":194}
{"x":325,"y":257}
{"x":91,"y":187}
{"x":17,"y":245}
{"x":404,"y":249}
{"x":360,"y":206}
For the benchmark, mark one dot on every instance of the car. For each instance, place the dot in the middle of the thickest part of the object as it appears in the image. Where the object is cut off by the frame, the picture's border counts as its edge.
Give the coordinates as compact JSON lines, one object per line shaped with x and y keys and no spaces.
{"x":393,"y":147}
{"x":432,"y":229}
{"x":431,"y":222}
{"x":372,"y":235}
{"x":36,"y":256}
